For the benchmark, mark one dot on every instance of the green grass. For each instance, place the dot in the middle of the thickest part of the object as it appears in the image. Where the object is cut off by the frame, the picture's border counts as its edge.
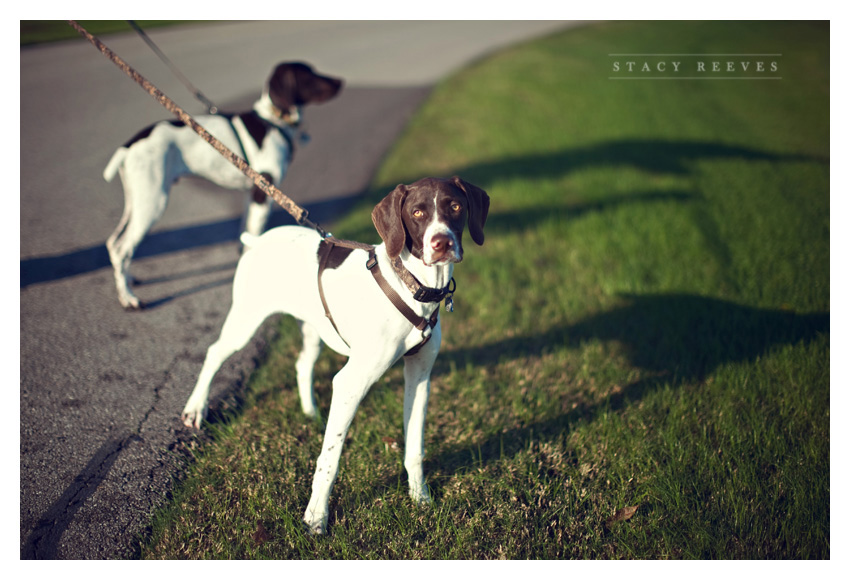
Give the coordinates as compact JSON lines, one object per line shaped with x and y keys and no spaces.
{"x":42,"y":31}
{"x":646,"y":325}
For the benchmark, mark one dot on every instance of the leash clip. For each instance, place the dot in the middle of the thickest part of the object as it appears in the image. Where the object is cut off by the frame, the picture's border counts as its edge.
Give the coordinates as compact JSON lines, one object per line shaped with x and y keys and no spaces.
{"x":450,"y":305}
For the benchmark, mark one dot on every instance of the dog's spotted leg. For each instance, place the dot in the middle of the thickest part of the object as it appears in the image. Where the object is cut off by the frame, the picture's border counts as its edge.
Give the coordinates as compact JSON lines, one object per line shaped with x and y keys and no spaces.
{"x":350,"y":385}
{"x":141,"y":211}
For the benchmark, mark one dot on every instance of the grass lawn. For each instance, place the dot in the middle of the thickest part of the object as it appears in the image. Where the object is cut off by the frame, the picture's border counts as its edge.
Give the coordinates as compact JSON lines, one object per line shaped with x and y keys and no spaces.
{"x":39,"y":31}
{"x":638,"y":361}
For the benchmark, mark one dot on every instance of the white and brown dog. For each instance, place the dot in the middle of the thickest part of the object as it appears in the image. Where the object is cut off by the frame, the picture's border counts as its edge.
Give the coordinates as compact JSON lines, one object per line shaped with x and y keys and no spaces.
{"x":372,"y":304}
{"x":159,"y":155}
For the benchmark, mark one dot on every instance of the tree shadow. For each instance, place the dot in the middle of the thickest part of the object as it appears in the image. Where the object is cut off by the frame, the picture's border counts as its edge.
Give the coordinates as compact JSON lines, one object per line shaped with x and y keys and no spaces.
{"x":529,"y":217}
{"x":677,"y":338}
{"x":656,"y":156}
{"x":674,"y":157}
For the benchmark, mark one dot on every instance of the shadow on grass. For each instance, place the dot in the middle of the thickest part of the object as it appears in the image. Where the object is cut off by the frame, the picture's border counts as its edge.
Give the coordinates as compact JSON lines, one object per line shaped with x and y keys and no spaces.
{"x":675,"y":157}
{"x":677,"y":338}
{"x":651,"y":155}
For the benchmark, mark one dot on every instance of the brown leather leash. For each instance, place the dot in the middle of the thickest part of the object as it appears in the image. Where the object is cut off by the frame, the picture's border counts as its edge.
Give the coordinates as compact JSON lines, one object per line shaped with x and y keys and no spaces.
{"x":298,"y":212}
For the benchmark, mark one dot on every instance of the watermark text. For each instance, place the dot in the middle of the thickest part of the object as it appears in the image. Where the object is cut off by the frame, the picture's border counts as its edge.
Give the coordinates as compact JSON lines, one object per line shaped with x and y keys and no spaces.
{"x":695,"y":66}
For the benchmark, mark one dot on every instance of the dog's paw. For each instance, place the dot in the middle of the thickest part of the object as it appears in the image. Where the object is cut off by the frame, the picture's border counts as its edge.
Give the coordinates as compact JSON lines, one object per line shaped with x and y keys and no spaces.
{"x":421,"y":496}
{"x":131,"y":303}
{"x":193,"y":418}
{"x":315,"y":528}
{"x":310,"y":409}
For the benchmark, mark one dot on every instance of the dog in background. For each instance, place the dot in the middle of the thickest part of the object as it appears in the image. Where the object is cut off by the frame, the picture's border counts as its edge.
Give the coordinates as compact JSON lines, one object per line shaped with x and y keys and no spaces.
{"x":160,"y":154}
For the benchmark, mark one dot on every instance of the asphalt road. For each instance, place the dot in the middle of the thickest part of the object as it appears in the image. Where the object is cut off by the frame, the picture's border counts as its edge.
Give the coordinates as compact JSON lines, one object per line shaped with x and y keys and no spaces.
{"x":102,"y":389}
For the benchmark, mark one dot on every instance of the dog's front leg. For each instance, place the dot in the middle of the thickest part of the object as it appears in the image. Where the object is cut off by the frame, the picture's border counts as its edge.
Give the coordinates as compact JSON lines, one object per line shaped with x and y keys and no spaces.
{"x":350,"y":385}
{"x":417,"y":387}
{"x":245,"y":316}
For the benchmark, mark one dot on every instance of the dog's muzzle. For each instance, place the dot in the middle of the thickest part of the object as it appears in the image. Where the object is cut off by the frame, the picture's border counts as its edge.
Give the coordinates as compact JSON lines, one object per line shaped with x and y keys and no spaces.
{"x":442,"y":249}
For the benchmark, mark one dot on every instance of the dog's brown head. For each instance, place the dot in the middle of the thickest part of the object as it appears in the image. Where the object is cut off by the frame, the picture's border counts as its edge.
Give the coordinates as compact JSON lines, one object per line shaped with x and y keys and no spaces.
{"x":428,"y":217}
{"x":295,"y":84}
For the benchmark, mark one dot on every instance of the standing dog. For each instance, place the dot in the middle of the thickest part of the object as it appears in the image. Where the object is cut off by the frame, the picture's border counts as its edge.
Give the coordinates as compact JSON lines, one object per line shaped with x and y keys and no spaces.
{"x":372,"y":304}
{"x":159,"y":155}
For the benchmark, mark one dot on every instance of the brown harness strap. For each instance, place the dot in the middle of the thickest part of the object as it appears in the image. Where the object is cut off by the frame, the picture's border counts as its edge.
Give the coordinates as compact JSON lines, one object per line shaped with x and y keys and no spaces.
{"x":326,"y":249}
{"x":333,"y":252}
{"x":417,"y":321}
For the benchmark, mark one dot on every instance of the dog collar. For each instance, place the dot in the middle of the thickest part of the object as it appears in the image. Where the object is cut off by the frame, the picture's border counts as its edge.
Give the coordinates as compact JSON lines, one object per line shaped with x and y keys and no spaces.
{"x":422,"y":293}
{"x":424,"y":325}
{"x":290,"y":128}
{"x":287,"y":116}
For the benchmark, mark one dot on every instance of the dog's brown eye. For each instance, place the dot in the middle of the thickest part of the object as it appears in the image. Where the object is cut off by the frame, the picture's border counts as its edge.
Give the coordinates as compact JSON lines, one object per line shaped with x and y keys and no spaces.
{"x":418,"y":213}
{"x":456,"y":207}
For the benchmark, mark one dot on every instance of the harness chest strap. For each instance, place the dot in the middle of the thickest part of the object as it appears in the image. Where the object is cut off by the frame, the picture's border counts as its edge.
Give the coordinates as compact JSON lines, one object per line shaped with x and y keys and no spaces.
{"x":257,"y":127}
{"x":417,"y":321}
{"x":333,"y":252}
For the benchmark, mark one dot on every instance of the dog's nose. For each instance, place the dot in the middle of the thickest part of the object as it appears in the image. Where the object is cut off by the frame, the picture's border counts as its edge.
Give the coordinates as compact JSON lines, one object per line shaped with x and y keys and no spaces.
{"x":441,"y":243}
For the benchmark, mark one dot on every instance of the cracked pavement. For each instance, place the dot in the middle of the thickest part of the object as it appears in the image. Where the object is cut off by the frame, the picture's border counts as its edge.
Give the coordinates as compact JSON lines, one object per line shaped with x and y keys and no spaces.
{"x":101,"y":389}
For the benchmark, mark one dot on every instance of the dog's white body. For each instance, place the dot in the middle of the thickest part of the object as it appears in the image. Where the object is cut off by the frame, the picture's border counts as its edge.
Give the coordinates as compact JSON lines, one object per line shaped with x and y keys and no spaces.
{"x":279,"y":274}
{"x":150,"y":166}
{"x":151,"y":162}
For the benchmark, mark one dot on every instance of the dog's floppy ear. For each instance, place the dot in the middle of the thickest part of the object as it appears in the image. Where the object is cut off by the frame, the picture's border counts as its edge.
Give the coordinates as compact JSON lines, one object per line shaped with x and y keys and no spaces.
{"x":387,"y":219}
{"x":282,"y":86}
{"x":479,"y":206}
{"x":318,"y":88}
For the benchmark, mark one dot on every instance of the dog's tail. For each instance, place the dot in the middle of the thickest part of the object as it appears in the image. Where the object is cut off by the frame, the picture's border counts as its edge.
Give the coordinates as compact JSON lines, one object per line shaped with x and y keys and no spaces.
{"x":114,"y":163}
{"x":248,"y":240}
